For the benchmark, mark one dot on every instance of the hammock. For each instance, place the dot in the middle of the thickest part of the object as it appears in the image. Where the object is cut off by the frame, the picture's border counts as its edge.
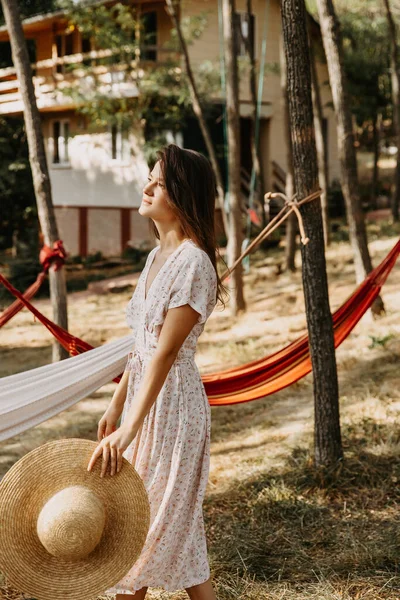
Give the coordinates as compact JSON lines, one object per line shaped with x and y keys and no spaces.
{"x":273,"y":373}
{"x":28,"y":398}
{"x":31,"y":397}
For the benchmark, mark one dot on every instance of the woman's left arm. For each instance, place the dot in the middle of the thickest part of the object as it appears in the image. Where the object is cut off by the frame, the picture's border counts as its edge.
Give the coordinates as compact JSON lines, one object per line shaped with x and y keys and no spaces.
{"x":177,"y":325}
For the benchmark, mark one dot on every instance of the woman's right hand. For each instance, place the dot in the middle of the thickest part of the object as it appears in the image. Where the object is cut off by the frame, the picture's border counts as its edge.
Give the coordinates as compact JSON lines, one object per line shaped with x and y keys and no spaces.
{"x":108,"y":422}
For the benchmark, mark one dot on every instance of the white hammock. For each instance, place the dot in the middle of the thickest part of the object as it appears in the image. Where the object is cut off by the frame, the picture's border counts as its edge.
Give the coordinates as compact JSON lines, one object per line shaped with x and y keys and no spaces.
{"x":31,"y":397}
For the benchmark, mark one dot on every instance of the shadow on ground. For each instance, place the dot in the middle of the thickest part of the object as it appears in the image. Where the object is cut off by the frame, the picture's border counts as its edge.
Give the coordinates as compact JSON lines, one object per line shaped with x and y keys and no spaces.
{"x":288,"y":526}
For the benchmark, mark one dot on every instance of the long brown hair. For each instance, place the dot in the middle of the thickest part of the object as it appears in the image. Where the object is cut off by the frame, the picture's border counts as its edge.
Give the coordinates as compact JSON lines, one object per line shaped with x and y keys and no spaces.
{"x":190,"y":182}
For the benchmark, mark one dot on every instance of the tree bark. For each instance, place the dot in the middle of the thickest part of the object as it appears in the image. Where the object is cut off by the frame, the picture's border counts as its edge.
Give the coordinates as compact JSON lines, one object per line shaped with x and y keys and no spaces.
{"x":320,"y":142}
{"x":198,"y":111}
{"x":37,"y":159}
{"x":291,"y":222}
{"x":395,"y":77}
{"x":235,"y":238}
{"x":375,"y":173}
{"x":331,"y":37}
{"x":255,"y":144}
{"x":327,"y":436}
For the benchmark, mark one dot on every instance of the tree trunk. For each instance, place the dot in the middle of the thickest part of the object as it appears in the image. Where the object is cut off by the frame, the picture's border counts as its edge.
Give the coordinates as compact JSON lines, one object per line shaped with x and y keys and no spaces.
{"x":37,"y":159}
{"x":291,"y":230}
{"x":235,"y":238}
{"x":327,"y":437}
{"x":395,"y":77}
{"x":331,"y":37}
{"x":255,"y":144}
{"x":291,"y":222}
{"x":198,"y":111}
{"x":375,"y":173}
{"x":320,"y":142}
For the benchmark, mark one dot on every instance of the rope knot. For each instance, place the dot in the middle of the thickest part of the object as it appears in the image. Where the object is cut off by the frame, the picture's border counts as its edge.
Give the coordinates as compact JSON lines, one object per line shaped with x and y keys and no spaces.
{"x":56,"y":255}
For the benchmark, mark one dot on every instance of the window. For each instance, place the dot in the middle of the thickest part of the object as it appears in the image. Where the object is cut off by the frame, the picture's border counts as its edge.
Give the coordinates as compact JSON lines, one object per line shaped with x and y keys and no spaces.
{"x":61,"y":137}
{"x":119,"y":143}
{"x":64,"y":47}
{"x":149,"y":36}
{"x":86,"y":46}
{"x":244,"y":32}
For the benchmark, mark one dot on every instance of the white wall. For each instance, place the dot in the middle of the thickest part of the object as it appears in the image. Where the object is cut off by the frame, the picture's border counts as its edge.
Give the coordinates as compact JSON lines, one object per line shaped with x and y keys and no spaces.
{"x":91,"y":178}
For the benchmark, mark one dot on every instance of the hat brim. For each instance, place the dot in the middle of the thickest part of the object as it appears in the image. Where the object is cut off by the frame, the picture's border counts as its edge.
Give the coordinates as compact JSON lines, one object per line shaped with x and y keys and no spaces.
{"x":26,"y":488}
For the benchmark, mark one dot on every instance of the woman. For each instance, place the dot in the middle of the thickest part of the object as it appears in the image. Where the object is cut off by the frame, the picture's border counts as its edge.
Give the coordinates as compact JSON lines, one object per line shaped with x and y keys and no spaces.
{"x":165,"y":424}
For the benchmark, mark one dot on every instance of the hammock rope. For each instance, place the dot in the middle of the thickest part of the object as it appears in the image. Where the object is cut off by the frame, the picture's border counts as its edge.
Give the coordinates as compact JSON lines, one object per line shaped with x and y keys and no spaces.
{"x":289,"y":206}
{"x":48,"y":256}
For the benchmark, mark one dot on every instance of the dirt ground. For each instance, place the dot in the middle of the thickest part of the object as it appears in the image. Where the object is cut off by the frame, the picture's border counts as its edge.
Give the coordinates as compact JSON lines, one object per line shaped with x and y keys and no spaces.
{"x":273,"y":530}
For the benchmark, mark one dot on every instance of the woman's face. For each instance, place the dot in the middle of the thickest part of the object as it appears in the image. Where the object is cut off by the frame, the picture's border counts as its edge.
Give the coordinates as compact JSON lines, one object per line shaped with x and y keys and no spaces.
{"x":154,"y":201}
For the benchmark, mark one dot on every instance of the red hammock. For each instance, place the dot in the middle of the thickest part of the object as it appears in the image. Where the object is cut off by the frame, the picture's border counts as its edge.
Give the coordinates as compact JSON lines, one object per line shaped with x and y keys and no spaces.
{"x":270,"y":374}
{"x":267,"y":375}
{"x":47,"y":256}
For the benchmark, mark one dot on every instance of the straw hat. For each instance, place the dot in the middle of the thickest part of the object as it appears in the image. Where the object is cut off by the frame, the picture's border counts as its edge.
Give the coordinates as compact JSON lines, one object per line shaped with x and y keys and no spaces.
{"x":66,"y":532}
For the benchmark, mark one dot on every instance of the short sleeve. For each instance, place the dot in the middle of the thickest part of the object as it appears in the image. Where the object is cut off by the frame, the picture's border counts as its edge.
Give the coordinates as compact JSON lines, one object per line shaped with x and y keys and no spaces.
{"x":195,"y":284}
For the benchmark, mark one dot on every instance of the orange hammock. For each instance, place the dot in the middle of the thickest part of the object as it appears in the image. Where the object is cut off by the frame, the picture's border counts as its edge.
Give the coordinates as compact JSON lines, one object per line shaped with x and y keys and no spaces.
{"x":267,"y":375}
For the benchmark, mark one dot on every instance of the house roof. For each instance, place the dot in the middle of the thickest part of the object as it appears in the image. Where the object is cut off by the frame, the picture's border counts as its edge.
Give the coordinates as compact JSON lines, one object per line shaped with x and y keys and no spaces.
{"x":40,"y":21}
{"x":36,"y":22}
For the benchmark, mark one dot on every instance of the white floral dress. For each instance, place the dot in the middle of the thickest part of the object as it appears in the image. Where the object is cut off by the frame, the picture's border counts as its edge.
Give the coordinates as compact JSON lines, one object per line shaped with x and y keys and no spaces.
{"x":171,"y":451}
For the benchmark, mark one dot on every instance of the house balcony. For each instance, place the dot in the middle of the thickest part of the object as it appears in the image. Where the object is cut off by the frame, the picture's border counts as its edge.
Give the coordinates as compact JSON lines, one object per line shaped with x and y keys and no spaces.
{"x":88,"y":73}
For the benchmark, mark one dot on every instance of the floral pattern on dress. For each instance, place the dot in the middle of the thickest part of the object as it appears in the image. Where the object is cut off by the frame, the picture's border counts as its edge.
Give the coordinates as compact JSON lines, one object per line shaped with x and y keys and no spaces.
{"x":171,"y":451}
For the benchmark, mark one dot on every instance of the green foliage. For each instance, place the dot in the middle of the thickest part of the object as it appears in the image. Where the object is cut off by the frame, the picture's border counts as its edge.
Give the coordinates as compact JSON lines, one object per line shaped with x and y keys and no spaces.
{"x":163,"y":100}
{"x":367,"y":61}
{"x":132,"y":254}
{"x":76,"y":259}
{"x":366,"y":46}
{"x":93,"y":258}
{"x":22,"y":273}
{"x":192,"y":29}
{"x":110,"y":27}
{"x":18,"y":213}
{"x":380,"y":342}
{"x":29,"y":8}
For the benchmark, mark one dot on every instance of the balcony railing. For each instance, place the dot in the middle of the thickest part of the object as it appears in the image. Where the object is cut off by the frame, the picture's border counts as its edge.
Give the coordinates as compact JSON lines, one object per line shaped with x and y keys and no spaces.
{"x":112,"y":78}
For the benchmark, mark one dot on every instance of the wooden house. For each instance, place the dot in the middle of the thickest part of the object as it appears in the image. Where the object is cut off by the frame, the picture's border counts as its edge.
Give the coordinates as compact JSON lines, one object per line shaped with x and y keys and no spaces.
{"x":96,"y":186}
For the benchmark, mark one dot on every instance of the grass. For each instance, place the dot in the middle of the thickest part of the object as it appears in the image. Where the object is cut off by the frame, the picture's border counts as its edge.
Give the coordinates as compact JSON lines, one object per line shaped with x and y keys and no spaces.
{"x":277,"y":528}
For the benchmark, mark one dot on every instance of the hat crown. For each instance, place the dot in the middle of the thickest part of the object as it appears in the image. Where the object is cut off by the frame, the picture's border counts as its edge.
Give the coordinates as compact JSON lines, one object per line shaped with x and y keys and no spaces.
{"x":71,"y":523}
